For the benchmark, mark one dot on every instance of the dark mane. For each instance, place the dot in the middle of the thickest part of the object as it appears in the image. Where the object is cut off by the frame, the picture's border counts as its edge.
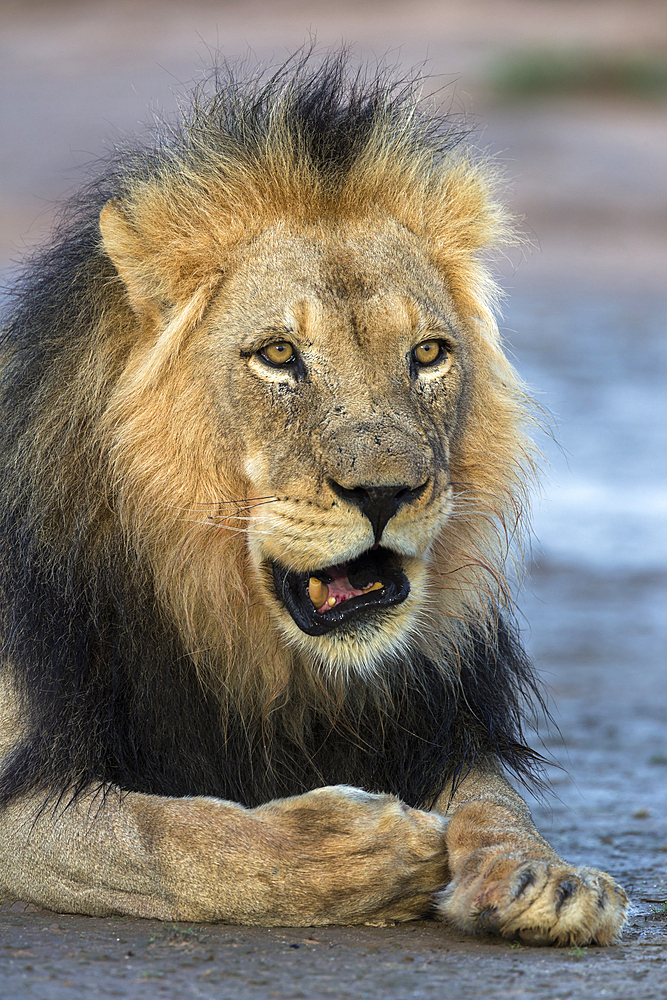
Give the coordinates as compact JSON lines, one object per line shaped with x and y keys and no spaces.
{"x":110,"y":702}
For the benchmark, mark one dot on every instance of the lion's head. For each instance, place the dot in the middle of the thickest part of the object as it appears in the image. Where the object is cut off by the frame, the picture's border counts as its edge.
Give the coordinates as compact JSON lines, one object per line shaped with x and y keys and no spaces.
{"x":315,"y":436}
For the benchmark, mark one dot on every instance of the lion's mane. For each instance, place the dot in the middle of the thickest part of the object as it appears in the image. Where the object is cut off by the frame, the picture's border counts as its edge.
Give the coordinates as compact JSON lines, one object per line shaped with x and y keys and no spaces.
{"x":126,"y":672}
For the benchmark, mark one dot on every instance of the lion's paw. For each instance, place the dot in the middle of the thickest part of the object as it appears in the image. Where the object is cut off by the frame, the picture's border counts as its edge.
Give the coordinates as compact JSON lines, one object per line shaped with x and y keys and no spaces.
{"x":540,"y":902}
{"x":356,"y":856}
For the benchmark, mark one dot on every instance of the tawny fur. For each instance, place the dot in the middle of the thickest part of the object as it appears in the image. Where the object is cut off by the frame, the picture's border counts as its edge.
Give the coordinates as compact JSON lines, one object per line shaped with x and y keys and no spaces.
{"x":156,"y":467}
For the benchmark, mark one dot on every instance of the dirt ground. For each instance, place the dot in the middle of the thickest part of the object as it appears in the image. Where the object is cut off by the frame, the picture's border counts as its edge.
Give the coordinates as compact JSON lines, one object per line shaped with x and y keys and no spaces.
{"x":589,"y":177}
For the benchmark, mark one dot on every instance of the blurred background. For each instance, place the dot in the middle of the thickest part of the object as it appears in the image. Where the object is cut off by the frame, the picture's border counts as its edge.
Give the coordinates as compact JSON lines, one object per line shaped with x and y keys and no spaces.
{"x":571,"y":97}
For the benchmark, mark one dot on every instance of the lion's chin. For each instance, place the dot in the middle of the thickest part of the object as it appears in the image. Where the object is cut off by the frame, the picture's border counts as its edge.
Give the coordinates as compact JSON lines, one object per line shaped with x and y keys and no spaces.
{"x":328,"y":598}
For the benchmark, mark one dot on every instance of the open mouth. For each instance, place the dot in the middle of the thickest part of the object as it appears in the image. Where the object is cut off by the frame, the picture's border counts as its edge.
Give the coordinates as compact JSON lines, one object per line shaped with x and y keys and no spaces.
{"x":323,"y":599}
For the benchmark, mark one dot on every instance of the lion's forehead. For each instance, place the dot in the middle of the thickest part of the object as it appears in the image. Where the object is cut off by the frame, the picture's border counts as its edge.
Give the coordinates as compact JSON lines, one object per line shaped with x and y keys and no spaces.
{"x":372,"y":284}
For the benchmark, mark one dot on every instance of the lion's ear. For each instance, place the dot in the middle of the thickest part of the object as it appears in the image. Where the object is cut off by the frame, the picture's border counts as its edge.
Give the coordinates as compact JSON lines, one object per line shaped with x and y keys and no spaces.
{"x":162,"y":262}
{"x":168,"y":277}
{"x":131,"y":255}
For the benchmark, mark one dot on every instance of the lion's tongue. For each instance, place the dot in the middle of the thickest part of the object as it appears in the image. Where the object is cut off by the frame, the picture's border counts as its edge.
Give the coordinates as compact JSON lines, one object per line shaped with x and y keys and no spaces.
{"x":340,"y":589}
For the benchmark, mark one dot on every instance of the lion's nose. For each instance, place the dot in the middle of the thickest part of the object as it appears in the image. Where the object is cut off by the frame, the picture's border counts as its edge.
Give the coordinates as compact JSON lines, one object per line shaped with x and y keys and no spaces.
{"x":377,"y":503}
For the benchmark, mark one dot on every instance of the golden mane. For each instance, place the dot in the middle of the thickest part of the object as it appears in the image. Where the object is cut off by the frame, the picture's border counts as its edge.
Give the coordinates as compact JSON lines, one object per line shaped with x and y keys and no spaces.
{"x":172,"y":239}
{"x":117,"y":470}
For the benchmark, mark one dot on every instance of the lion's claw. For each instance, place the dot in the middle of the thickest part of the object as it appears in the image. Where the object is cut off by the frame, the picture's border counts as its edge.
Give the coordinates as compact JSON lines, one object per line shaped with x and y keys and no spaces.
{"x":540,"y":902}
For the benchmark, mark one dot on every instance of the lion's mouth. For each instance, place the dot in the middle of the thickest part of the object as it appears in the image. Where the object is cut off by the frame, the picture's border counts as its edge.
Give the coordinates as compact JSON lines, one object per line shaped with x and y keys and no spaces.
{"x":325,"y":598}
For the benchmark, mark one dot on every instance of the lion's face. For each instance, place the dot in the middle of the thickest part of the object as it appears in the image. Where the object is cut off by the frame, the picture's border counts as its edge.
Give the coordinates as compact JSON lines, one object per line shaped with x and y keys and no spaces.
{"x":343,"y":354}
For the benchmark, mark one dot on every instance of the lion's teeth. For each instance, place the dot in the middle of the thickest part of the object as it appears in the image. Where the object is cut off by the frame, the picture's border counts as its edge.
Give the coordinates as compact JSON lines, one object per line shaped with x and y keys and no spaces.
{"x":317,"y":591}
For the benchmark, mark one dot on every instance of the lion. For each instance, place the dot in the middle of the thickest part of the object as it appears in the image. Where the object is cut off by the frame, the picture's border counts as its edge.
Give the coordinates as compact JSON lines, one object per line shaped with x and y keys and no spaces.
{"x":263,"y":467}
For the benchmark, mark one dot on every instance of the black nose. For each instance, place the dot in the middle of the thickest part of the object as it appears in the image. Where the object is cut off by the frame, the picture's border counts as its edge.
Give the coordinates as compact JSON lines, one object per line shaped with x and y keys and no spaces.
{"x":377,"y":503}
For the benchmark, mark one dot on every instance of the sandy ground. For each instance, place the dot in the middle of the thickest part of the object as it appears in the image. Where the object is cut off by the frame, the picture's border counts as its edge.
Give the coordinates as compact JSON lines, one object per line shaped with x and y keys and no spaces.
{"x":590,"y":179}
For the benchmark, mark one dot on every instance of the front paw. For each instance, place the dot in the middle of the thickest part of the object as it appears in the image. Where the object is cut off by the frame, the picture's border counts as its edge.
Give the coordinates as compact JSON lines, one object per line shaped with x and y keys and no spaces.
{"x":540,"y":902}
{"x":344,"y":855}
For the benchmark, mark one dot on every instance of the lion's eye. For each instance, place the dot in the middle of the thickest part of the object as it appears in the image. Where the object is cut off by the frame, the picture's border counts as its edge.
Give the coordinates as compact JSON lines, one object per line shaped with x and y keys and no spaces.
{"x":428,"y":352}
{"x":279,"y":353}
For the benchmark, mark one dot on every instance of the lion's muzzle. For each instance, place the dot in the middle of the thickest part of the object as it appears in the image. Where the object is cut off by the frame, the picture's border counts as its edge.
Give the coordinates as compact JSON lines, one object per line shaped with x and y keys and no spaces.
{"x":378,"y":503}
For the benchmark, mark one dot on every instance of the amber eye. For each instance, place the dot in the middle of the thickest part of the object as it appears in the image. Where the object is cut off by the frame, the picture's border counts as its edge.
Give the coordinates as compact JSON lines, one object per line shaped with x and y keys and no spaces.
{"x":279,"y":353}
{"x":428,"y":352}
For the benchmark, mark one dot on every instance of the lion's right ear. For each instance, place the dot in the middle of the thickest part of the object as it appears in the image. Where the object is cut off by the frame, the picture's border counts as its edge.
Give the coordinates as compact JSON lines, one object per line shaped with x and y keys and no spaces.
{"x":162,"y":260}
{"x":169,"y":275}
{"x":132,"y":256}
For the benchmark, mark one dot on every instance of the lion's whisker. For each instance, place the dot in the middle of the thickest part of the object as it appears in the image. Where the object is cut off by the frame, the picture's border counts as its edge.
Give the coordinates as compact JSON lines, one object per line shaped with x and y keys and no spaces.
{"x":227,"y":528}
{"x":242,"y":504}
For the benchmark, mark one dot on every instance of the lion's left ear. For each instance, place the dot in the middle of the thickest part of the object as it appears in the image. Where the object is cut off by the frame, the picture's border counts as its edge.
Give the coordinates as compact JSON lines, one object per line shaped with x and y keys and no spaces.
{"x":161,"y":263}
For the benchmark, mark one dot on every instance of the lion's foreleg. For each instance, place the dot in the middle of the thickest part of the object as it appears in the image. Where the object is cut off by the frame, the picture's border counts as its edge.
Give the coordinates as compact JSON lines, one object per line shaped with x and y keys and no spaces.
{"x":334,"y":855}
{"x":508,"y":880}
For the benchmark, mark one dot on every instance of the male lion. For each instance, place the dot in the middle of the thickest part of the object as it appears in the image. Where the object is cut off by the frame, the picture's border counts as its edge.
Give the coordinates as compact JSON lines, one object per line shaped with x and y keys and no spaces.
{"x":262,"y":456}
